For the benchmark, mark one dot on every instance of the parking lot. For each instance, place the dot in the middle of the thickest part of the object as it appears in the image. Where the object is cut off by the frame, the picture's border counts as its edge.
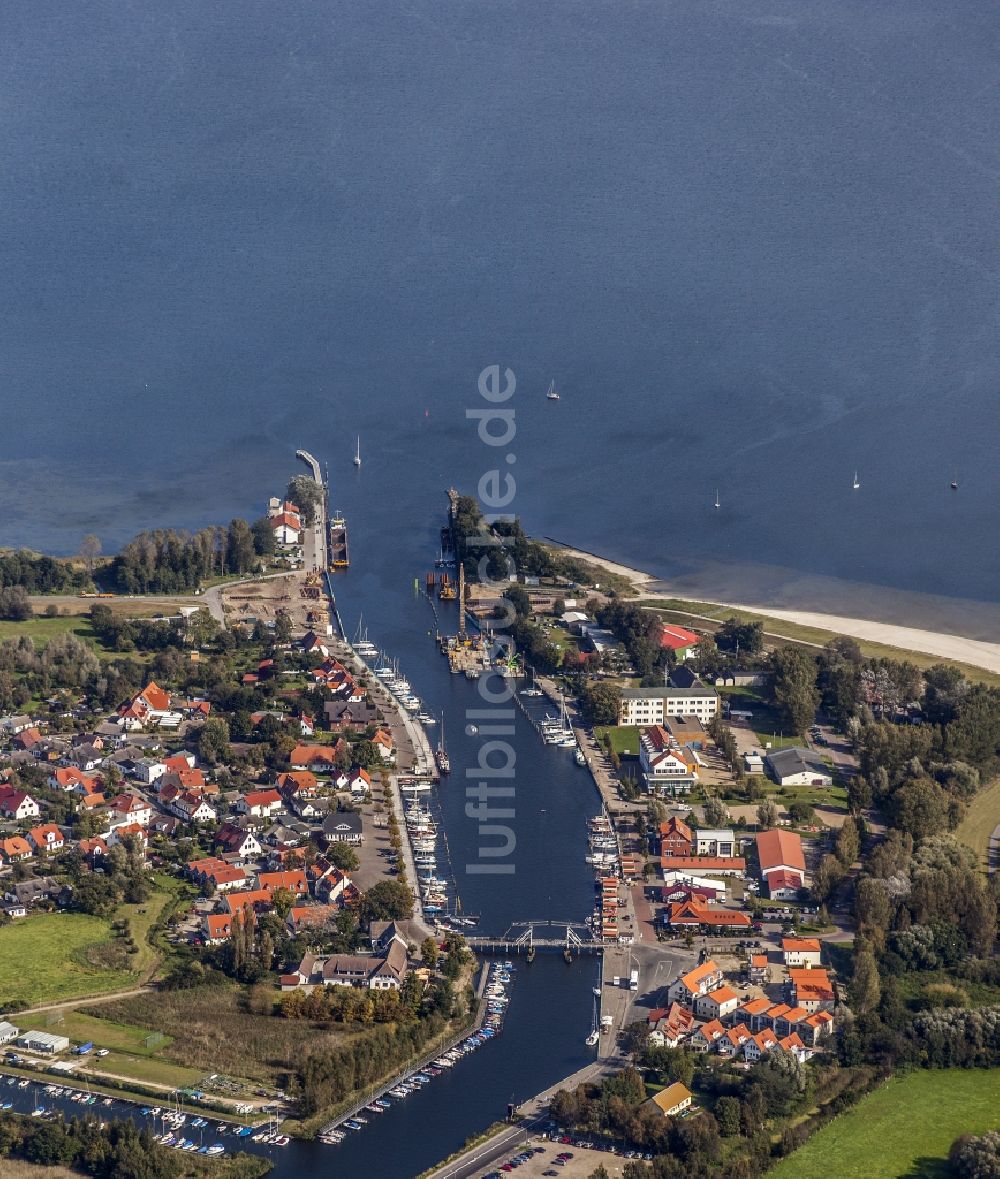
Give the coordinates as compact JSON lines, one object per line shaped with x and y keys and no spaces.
{"x":551,"y":1160}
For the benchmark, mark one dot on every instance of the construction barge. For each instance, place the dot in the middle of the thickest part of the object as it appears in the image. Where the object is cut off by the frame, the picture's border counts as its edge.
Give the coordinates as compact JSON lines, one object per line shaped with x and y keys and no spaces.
{"x":339,"y":555}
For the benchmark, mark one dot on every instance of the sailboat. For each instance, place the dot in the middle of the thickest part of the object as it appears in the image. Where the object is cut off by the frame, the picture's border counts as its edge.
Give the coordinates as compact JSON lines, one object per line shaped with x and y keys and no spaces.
{"x":954,"y":482}
{"x":595,"y":1034}
{"x":552,"y":395}
{"x":531,"y":690}
{"x":856,"y":484}
{"x":718,"y":502}
{"x":441,"y":754}
{"x":357,"y":453}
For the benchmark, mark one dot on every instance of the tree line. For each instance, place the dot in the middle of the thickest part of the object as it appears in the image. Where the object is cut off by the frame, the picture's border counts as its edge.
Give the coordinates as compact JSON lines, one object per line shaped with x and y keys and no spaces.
{"x":173,"y":561}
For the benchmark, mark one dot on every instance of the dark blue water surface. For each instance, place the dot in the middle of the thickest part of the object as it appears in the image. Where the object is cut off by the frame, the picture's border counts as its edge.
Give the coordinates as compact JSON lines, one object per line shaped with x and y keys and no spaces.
{"x":754,"y":241}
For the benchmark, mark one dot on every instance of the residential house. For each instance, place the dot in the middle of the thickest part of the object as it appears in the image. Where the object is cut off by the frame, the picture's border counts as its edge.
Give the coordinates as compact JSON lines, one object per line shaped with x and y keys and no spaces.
{"x":125,"y":831}
{"x":92,"y":849}
{"x":359,"y":782}
{"x":130,"y":808}
{"x":265,"y":803}
{"x":293,"y":880}
{"x":705,"y":1038}
{"x":69,"y":778}
{"x":17,"y":804}
{"x":192,"y":807}
{"x":342,"y":715}
{"x":287,"y":528}
{"x":651,"y":706}
{"x":12,"y":725}
{"x":302,"y":917}
{"x":667,"y":768}
{"x":318,"y":758}
{"x":385,"y":970}
{"x":247,"y":902}
{"x":673,"y":1100}
{"x":15,"y":848}
{"x":28,"y":740}
{"x":759,"y":970}
{"x":148,"y":708}
{"x":149,"y":770}
{"x":47,"y":837}
{"x":382,"y":740}
{"x":782,"y":863}
{"x":343,"y":827}
{"x":312,"y":644}
{"x":759,"y":1044}
{"x":224,"y":877}
{"x":812,"y":989}
{"x":217,"y":928}
{"x":699,"y":981}
{"x":717,"y":1004}
{"x":715,"y":842}
{"x":334,"y":887}
{"x":797,"y":766}
{"x":734,"y":1039}
{"x":801,"y":951}
{"x":675,"y":838}
{"x":669,"y":1026}
{"x":237,"y":841}
{"x":297,"y":784}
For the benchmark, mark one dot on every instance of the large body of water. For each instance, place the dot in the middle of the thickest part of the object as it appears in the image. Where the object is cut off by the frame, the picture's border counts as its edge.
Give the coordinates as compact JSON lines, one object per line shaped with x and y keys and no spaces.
{"x":754,"y":241}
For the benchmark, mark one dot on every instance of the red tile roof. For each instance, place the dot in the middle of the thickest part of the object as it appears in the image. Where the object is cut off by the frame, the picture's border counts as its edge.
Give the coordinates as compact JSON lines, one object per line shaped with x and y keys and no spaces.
{"x":780,"y":848}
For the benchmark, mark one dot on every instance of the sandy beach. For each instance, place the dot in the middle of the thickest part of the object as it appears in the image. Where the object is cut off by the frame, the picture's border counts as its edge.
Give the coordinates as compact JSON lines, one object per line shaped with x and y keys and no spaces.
{"x":956,"y":648}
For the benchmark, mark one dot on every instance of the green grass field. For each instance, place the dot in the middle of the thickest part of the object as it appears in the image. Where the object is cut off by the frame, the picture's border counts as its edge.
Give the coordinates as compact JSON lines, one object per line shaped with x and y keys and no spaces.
{"x":903,"y":1129}
{"x":624,"y":738}
{"x":105,"y":1033}
{"x":980,"y":820}
{"x":44,"y":959}
{"x":43,"y":629}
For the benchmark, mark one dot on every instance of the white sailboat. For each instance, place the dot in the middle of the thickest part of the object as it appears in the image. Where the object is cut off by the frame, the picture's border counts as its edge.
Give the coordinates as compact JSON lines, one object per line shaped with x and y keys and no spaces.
{"x":718,"y":502}
{"x":357,"y":453}
{"x":552,"y":395}
{"x":856,"y":484}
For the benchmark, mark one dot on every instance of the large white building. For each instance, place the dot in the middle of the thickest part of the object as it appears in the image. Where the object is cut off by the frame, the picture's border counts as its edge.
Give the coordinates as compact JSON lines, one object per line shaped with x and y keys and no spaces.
{"x":652,"y":706}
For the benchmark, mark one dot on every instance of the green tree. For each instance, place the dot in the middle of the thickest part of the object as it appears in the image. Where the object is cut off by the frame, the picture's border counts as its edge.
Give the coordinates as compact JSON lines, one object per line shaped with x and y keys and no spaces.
{"x":213,"y":741}
{"x":240,"y":552}
{"x":793,"y":684}
{"x":745,"y":637}
{"x":727,"y":1114}
{"x":767,"y":814}
{"x":865,"y":989}
{"x":389,"y":900}
{"x":342,"y":856}
{"x":848,"y":842}
{"x":600,"y":703}
{"x":715,"y":811}
{"x":429,"y":952}
{"x":263,"y":537}
{"x":921,"y":808}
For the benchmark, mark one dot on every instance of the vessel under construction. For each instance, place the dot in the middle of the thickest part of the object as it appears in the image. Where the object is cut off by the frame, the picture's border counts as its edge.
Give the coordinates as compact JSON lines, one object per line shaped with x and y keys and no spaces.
{"x":339,"y":558}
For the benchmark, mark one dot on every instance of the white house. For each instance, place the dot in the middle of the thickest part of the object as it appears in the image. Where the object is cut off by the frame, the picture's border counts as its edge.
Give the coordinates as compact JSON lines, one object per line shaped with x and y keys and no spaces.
{"x":798,"y":767}
{"x":666,"y":767}
{"x":715,"y":841}
{"x":801,"y":951}
{"x":651,"y":706}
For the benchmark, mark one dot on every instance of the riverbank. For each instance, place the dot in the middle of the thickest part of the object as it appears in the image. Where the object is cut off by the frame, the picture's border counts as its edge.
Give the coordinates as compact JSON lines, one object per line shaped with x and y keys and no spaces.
{"x":954,"y":648}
